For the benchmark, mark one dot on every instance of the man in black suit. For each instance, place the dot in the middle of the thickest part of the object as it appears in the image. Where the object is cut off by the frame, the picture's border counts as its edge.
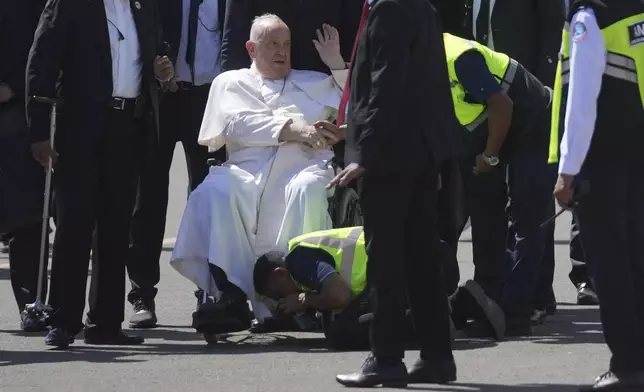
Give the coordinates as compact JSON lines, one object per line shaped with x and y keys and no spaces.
{"x":303,"y":17}
{"x":401,"y":127}
{"x":528,"y":31}
{"x":193,"y":29}
{"x":100,"y":57}
{"x":21,"y":178}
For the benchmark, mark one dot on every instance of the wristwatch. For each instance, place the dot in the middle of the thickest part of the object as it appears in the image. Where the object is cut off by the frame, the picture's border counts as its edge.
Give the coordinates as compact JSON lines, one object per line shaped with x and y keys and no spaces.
{"x":492,"y":161}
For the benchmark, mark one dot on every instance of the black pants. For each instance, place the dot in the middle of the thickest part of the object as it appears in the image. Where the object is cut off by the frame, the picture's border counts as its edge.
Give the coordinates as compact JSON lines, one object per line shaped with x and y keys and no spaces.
{"x":579,"y":272}
{"x":486,"y":200}
{"x":24,"y":261}
{"x":180,"y":117}
{"x":402,"y":242}
{"x":545,"y":296}
{"x":611,"y":219}
{"x":95,"y":186}
{"x":452,"y":217}
{"x":345,"y":331}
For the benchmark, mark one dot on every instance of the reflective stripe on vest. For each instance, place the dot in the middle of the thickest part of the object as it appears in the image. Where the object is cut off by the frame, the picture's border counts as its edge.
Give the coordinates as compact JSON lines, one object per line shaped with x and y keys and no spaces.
{"x":471,"y":115}
{"x":623,"y":62}
{"x":346,"y":246}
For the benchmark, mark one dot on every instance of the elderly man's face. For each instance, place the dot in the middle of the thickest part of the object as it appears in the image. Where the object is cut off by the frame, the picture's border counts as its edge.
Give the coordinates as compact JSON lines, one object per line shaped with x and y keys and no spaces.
{"x":272,"y":55}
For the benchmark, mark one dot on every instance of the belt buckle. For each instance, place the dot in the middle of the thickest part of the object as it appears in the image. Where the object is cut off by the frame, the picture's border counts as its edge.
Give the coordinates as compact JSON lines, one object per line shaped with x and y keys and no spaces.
{"x":121,"y":103}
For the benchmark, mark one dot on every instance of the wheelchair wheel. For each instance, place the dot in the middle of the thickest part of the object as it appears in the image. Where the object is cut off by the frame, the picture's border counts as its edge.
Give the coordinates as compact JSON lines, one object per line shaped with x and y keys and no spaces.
{"x":347,"y":210}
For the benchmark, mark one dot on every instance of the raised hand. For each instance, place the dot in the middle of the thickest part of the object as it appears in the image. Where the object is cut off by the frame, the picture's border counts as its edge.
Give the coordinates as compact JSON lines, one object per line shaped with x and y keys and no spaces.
{"x":328,"y":47}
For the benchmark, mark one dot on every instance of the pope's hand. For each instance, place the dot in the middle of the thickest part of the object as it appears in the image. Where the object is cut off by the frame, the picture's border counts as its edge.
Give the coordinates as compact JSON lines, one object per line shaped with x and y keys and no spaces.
{"x":328,"y":47}
{"x":306,"y":134}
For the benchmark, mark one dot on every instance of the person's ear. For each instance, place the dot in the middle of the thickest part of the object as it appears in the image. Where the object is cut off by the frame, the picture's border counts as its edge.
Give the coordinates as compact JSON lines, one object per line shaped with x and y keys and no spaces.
{"x":250,"y":47}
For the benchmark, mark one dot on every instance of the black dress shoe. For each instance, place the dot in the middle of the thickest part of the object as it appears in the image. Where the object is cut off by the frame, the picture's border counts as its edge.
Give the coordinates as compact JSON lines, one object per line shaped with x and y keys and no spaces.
{"x":538,"y":317}
{"x":612,"y":382}
{"x":30,"y":322}
{"x":432,"y":372}
{"x":586,"y":295}
{"x":59,"y":337}
{"x":373,"y":373}
{"x":215,"y":318}
{"x":120,"y":338}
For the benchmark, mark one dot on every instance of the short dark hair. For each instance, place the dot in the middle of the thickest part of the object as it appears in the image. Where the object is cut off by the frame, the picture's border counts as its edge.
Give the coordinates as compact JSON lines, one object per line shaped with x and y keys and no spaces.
{"x":264,"y":267}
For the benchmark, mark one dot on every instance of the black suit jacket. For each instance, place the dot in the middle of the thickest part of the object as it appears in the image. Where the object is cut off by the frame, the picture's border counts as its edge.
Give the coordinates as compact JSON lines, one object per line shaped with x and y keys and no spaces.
{"x":18,"y":20}
{"x":171,"y":20}
{"x":21,"y":177}
{"x":303,"y":17}
{"x":400,"y":110}
{"x":71,"y":58}
{"x":529,"y":31}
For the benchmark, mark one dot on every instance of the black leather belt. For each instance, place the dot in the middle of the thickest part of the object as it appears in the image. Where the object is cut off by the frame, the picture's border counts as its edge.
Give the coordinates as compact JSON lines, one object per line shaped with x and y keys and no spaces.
{"x":118,"y":103}
{"x":189,"y":86}
{"x":184,"y":85}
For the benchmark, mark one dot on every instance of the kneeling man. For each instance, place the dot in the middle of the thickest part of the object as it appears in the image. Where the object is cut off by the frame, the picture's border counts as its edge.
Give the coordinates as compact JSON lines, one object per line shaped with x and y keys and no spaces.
{"x":276,"y":125}
{"x":326,"y":271}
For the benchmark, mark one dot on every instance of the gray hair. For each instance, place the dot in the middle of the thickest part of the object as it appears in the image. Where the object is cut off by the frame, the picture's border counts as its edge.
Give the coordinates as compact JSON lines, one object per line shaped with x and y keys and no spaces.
{"x":261,"y":24}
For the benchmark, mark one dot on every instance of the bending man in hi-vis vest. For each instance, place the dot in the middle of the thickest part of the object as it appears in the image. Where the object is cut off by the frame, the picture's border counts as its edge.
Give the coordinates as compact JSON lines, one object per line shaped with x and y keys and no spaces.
{"x":505,"y":110}
{"x":326,"y":271}
{"x":599,"y":105}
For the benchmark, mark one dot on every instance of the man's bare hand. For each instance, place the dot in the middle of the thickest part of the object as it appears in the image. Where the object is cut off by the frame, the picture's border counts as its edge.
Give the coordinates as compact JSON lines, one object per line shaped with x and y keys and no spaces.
{"x":352,"y":172}
{"x":5,"y":93}
{"x":482,"y":166}
{"x":328,"y":47}
{"x":291,"y":304}
{"x":564,"y":191}
{"x":331,"y":132}
{"x":42,"y":151}
{"x":163,"y":69}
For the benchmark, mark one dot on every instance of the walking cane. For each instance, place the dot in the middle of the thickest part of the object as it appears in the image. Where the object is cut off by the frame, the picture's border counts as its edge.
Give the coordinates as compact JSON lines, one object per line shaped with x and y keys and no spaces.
{"x":38,"y":309}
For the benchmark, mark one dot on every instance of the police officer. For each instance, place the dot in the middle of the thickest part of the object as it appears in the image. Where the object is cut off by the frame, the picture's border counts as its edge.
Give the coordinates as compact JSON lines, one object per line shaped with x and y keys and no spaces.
{"x":599,"y":104}
{"x":505,"y":111}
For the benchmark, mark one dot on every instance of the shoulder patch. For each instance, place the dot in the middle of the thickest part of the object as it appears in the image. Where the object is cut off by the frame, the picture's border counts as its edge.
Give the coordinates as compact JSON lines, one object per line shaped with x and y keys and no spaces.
{"x":579,"y":31}
{"x":636,"y":33}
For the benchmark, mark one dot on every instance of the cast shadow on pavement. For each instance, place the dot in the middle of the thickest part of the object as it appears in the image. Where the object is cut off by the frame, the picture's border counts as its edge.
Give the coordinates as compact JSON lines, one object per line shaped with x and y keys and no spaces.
{"x":472,"y":387}
{"x":190,"y":343}
{"x":571,"y":325}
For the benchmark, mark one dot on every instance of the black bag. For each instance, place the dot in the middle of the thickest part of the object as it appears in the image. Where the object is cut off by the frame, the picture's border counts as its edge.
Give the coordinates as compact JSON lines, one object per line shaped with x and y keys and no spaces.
{"x":22,"y":179}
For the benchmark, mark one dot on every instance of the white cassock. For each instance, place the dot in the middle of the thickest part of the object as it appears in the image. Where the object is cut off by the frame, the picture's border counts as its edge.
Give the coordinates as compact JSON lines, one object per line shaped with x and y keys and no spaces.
{"x":267,"y":192}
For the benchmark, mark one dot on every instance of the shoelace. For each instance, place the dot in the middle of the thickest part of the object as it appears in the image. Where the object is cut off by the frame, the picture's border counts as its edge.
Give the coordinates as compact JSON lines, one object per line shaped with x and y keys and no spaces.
{"x":140,"y":305}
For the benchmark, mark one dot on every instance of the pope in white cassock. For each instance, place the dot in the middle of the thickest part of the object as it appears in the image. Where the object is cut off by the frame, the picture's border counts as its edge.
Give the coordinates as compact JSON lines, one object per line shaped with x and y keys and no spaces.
{"x":276,"y":125}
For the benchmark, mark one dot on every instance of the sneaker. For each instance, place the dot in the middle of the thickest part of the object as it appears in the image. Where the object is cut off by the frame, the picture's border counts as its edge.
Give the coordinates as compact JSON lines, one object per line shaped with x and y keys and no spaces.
{"x":144,"y":314}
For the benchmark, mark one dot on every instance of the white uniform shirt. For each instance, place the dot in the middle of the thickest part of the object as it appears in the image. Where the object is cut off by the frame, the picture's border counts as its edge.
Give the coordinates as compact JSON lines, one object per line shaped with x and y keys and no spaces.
{"x":207,"y":47}
{"x":126,"y":52}
{"x":587,"y":64}
{"x":476,"y":9}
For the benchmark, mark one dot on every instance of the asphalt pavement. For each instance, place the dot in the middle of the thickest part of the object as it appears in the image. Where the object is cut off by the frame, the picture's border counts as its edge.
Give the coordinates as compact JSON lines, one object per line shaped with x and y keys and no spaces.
{"x":566,"y":351}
